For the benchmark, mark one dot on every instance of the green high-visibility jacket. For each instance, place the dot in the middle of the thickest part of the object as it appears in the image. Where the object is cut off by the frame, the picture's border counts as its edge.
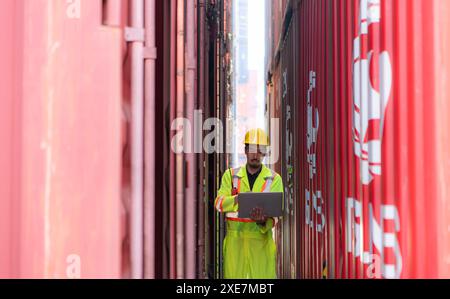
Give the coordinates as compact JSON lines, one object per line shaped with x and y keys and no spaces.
{"x":249,"y":249}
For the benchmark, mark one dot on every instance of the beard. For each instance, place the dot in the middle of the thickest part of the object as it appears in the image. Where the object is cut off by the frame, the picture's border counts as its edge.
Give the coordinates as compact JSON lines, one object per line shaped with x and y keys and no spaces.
{"x":254,"y":164}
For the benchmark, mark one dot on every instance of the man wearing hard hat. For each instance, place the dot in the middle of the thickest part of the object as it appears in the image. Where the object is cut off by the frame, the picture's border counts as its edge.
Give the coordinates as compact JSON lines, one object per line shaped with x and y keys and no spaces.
{"x":249,"y":249}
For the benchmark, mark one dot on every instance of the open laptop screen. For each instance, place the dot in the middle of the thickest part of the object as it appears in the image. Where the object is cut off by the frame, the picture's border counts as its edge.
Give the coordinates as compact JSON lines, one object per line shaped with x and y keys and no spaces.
{"x":271,"y":202}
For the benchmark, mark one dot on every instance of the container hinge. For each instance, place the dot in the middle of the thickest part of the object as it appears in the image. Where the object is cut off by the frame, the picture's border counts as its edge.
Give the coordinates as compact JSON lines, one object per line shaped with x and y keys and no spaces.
{"x":133,"y":34}
{"x":190,"y":64}
{"x":150,"y":53}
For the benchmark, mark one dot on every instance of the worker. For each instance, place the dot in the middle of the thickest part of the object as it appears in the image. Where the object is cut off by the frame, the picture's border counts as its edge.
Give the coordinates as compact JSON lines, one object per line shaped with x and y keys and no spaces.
{"x":249,"y":249}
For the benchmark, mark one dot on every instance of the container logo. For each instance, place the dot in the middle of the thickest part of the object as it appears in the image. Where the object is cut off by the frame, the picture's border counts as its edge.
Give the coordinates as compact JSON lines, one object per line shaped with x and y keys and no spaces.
{"x":372,"y":225}
{"x":73,"y":10}
{"x":372,"y":84}
{"x":381,"y":239}
{"x":73,"y":269}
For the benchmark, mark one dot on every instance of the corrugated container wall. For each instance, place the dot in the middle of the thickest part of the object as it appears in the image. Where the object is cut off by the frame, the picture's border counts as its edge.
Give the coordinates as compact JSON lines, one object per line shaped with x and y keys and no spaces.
{"x":90,"y":184}
{"x":367,"y":87}
{"x":59,"y":103}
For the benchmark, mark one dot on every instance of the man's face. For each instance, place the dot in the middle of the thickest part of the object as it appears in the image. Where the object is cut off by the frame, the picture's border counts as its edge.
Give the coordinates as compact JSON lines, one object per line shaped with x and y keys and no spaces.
{"x":255,"y":154}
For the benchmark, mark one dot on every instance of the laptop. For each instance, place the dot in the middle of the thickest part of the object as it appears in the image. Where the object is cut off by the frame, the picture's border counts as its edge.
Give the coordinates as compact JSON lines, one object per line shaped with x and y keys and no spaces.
{"x":271,"y":202}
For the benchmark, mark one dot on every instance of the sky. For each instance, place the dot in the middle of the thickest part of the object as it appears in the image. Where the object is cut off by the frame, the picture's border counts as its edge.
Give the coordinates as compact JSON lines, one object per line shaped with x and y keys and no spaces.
{"x":256,"y":28}
{"x":250,"y":115}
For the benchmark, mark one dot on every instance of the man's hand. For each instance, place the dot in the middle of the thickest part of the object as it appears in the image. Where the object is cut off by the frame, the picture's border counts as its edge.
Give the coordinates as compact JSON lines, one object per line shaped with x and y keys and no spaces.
{"x":236,"y":200}
{"x":258,"y":215}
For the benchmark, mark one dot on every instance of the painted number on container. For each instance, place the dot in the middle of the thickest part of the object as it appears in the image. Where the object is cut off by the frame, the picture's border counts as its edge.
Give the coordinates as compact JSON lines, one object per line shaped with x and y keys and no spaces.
{"x":313,"y":198}
{"x":289,"y":187}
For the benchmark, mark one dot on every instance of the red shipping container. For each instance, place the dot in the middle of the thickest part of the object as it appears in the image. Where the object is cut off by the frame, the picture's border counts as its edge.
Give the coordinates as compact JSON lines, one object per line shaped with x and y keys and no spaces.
{"x":371,"y":95}
{"x":61,"y":94}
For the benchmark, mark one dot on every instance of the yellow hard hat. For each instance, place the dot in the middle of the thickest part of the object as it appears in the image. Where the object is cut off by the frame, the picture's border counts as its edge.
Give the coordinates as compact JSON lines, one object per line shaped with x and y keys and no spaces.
{"x":256,"y":137}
